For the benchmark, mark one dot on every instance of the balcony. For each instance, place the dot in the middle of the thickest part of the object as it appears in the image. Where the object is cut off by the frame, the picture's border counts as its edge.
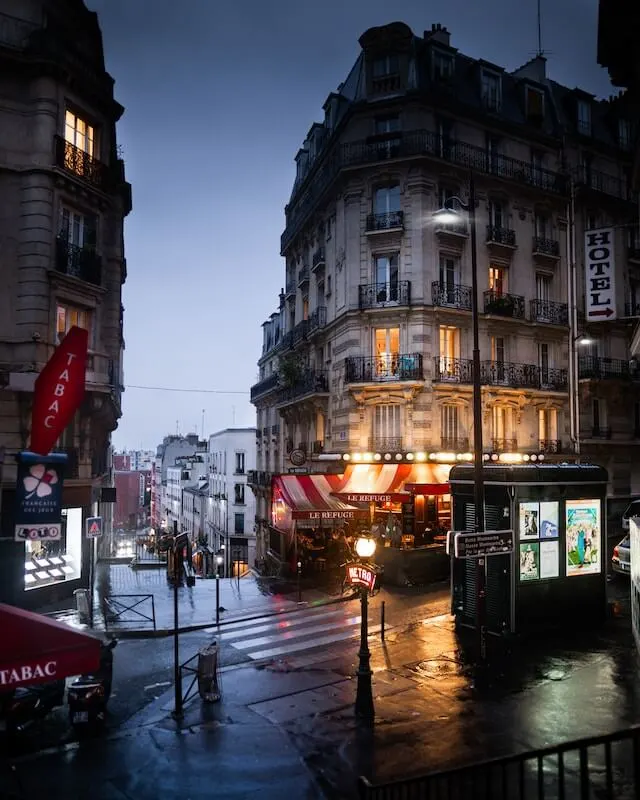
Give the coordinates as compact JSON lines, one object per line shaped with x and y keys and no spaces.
{"x":385,"y":84}
{"x":264,"y":387}
{"x":594,"y":368}
{"x":385,"y":444}
{"x":504,"y":373}
{"x":386,"y":222}
{"x":504,"y":305}
{"x":453,"y":370}
{"x":501,"y":238}
{"x":318,"y":261}
{"x":380,"y":295}
{"x":553,"y":380}
{"x":412,"y":144}
{"x":258,"y":478}
{"x":379,"y":369}
{"x":549,"y":312}
{"x":290,"y":288}
{"x":303,"y":277}
{"x":449,"y":295}
{"x":545,"y":249}
{"x":452,"y":230}
{"x":286,"y":343}
{"x":75,"y":161}
{"x":300,"y":332}
{"x":79,"y":262}
{"x":600,"y":182}
{"x":311,"y":382}
{"x":455,"y":444}
{"x":504,"y":445}
{"x":317,"y":320}
{"x":550,"y":446}
{"x":632,"y":309}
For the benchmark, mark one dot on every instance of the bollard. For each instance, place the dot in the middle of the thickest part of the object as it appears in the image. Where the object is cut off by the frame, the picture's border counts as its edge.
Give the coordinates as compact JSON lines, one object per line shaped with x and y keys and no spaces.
{"x":382,"y":621}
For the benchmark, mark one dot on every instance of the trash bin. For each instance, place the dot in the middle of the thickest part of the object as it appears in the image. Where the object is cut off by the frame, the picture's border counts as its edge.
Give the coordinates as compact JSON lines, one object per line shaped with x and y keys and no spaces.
{"x":208,"y":685}
{"x":82,"y":603}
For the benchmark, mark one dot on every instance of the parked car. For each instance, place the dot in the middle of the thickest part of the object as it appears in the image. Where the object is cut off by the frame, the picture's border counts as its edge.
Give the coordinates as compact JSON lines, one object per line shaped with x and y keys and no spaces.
{"x":621,"y":559}
{"x":632,"y":510}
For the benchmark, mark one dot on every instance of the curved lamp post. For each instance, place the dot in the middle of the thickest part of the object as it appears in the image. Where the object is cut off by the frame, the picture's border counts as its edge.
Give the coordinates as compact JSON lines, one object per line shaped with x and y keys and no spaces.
{"x":365,"y":548}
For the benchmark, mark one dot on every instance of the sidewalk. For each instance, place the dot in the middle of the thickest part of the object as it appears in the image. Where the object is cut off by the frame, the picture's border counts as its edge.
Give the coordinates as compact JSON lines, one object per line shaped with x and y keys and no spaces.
{"x":244,"y":598}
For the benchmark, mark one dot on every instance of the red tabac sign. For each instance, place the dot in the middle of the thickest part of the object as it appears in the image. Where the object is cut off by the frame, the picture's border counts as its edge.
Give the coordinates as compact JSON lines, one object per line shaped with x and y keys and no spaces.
{"x":59,"y":390}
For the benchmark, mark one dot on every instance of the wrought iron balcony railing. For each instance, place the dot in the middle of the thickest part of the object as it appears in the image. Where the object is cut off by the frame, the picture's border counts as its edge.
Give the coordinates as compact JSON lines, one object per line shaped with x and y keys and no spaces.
{"x":303,"y":276}
{"x":549,"y":311}
{"x":311,"y":382}
{"x":505,"y":373}
{"x":453,"y":370}
{"x":377,"y":295}
{"x":607,"y":368}
{"x":385,"y":444}
{"x":504,"y":305}
{"x":301,"y":331}
{"x":318,"y":259}
{"x":451,"y":295}
{"x":290,"y":287}
{"x":508,"y":445}
{"x":81,"y":262}
{"x":504,"y":236}
{"x":550,"y":446}
{"x":552,"y":379}
{"x":389,"y":220}
{"x":389,"y":367}
{"x":455,"y":444}
{"x":317,"y":320}
{"x":411,"y":144}
{"x":81,"y":164}
{"x":611,"y":185}
{"x":546,"y":247}
{"x":263,"y":387}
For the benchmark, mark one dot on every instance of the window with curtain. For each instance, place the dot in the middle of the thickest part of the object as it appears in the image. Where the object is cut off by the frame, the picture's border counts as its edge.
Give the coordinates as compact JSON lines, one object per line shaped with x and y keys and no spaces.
{"x":387,"y":427}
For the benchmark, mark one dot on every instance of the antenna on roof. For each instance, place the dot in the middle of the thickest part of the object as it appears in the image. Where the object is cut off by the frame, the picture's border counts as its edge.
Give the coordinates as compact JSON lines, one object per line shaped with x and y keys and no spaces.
{"x":540,"y":50}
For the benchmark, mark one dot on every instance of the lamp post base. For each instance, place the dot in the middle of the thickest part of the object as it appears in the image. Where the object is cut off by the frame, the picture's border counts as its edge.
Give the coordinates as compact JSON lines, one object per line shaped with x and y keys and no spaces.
{"x":364,"y":690}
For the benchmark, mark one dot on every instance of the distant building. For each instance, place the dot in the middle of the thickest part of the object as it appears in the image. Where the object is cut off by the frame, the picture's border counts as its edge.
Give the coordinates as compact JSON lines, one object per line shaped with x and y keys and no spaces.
{"x":231,"y":504}
{"x":131,"y":493}
{"x":171,"y":448}
{"x":186,"y":471}
{"x":122,"y":462}
{"x":194,"y":510}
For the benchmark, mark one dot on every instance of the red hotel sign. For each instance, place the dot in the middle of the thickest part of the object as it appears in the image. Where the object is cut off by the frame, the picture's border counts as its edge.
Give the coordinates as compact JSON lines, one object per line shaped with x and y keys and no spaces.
{"x":59,"y":390}
{"x":359,"y":575}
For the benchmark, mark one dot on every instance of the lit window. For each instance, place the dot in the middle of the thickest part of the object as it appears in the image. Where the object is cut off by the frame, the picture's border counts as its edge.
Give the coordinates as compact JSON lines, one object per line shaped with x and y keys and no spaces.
{"x":79,"y":133}
{"x":67,"y":316}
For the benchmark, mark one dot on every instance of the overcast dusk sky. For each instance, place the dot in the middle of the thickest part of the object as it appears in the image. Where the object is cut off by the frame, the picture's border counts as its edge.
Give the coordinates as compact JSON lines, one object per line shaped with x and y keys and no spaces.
{"x":219,"y":97}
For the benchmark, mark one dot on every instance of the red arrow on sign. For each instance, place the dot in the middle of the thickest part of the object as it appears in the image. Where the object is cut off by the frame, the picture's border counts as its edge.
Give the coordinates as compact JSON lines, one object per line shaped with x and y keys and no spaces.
{"x":603,"y":312}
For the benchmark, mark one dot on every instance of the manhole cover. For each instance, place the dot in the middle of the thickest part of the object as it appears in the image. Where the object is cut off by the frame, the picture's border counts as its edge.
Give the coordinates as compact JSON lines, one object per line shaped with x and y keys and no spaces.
{"x":435,"y":668}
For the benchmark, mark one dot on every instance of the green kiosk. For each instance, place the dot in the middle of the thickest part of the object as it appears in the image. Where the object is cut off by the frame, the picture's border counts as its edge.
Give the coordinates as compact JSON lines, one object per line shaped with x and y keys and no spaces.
{"x":555,"y":574}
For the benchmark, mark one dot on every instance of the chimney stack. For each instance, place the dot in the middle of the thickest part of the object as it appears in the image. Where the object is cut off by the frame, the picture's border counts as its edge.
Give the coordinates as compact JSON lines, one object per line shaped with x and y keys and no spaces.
{"x":438,"y":33}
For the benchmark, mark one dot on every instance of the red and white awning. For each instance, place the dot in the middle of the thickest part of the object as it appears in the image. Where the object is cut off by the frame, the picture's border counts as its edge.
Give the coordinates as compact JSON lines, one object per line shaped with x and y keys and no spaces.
{"x":310,"y":497}
{"x":391,"y":483}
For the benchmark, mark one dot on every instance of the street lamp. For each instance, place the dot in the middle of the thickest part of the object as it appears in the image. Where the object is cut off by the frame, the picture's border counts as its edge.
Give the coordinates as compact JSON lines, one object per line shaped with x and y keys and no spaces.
{"x":447,"y":215}
{"x":582,"y":340}
{"x":219,"y":560}
{"x":365,"y":548}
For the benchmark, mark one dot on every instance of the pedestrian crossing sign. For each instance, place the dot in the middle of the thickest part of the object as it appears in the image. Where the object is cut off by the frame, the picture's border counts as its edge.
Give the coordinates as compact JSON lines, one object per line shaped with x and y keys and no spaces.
{"x":94,"y":527}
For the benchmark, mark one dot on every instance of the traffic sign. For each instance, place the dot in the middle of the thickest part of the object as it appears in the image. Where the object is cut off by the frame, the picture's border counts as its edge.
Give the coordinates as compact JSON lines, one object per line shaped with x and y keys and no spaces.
{"x":484,"y":543}
{"x":93,"y":527}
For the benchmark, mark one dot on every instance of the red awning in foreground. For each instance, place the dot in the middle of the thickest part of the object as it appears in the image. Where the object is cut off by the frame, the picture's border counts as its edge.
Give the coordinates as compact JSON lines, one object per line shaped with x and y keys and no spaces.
{"x":309,"y":497}
{"x":36,"y":649}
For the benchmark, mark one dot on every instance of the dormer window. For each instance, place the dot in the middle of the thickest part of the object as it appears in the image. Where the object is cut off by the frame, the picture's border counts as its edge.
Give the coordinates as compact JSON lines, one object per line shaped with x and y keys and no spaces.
{"x":534,"y":101}
{"x":584,"y":117}
{"x":624,"y":134}
{"x":442,"y":66}
{"x":385,"y":66}
{"x":491,"y":94}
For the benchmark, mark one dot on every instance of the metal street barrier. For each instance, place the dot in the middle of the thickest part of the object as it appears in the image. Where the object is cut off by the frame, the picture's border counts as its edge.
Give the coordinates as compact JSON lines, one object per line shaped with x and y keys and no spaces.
{"x":606,"y":767}
{"x":117,"y":606}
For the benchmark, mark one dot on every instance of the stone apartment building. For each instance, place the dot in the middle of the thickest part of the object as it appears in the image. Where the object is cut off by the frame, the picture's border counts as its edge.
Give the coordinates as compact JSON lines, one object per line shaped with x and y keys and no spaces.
{"x":367,"y":359}
{"x":64,"y":198}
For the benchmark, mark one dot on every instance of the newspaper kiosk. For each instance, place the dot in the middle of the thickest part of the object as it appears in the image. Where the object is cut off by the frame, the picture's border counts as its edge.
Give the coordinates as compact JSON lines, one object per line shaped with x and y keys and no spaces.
{"x":555,"y":574}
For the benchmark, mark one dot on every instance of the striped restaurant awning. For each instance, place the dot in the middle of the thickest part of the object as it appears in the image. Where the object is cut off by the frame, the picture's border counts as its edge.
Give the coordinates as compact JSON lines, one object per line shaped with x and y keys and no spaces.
{"x":310,"y":497}
{"x":391,"y":483}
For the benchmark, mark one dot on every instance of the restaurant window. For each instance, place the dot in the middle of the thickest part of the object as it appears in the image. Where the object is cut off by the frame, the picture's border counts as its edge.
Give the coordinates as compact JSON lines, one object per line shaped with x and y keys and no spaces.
{"x":67,"y":316}
{"x":387,"y":428}
{"x":50,"y":562}
{"x":387,"y":345}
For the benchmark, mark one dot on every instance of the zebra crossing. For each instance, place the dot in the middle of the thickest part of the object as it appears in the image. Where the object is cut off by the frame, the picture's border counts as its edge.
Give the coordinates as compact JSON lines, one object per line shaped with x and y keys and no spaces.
{"x":311,"y":633}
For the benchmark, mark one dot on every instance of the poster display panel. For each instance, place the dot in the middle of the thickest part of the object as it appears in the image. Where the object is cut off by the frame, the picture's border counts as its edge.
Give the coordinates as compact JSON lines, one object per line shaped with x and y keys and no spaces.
{"x":583,"y":537}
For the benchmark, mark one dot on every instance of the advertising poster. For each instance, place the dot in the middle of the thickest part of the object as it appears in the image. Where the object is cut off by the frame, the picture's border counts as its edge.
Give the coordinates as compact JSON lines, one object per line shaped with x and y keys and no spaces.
{"x":529,"y":520}
{"x":529,"y":561}
{"x":550,"y":559}
{"x":38,"y":500}
{"x":584,"y":529}
{"x":549,"y":520}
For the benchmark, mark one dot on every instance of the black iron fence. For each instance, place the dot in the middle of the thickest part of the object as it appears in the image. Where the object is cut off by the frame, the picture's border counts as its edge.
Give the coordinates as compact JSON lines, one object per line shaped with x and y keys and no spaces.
{"x":606,"y":767}
{"x":549,"y":311}
{"x":377,"y":295}
{"x":129,"y":609}
{"x":503,"y":304}
{"x":546,"y":247}
{"x":311,"y":382}
{"x":389,"y":367}
{"x":80,"y":262}
{"x":387,"y":220}
{"x":452,"y":295}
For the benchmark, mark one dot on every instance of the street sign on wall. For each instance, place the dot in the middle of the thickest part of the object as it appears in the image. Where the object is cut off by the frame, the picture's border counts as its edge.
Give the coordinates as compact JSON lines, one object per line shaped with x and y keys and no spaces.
{"x":93,"y":526}
{"x":600,"y":286}
{"x":484,"y":543}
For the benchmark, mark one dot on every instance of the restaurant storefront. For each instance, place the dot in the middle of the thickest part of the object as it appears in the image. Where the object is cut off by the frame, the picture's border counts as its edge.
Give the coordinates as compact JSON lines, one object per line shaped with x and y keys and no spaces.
{"x":406,"y":506}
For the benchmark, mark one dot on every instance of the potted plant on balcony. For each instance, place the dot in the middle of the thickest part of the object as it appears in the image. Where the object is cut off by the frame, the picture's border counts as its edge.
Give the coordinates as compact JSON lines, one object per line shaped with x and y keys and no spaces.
{"x":290,"y":370}
{"x":502,"y":305}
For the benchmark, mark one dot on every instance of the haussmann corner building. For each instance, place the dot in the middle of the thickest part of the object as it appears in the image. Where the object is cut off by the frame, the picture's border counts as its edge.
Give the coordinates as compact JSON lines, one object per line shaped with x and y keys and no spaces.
{"x":364,"y":397}
{"x":64,"y":198}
